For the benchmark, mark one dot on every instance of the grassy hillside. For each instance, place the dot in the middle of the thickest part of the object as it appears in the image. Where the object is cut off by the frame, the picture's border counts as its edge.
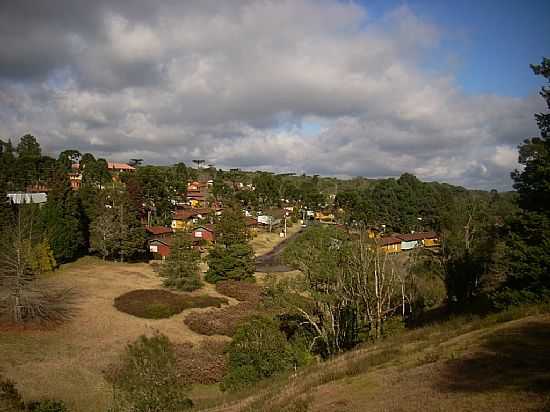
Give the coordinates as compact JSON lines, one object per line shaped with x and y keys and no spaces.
{"x":498,"y":363}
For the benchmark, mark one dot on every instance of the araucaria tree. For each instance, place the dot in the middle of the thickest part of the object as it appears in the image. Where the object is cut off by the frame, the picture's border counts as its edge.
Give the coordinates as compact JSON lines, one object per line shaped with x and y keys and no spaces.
{"x":181,"y":269}
{"x":232,"y":257}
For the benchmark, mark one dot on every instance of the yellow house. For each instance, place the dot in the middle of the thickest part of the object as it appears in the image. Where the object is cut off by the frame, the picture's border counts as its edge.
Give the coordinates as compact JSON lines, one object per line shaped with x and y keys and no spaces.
{"x":389,"y":244}
{"x":186,"y":218}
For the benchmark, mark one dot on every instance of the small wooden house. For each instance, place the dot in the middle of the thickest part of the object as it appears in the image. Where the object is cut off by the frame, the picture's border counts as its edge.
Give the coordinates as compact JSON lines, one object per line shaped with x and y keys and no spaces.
{"x":204,"y":232}
{"x":389,"y":244}
{"x":160,"y":247}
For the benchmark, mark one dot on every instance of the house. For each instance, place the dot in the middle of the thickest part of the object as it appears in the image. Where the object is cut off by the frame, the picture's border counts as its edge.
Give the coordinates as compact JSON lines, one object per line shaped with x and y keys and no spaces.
{"x":159,"y":232}
{"x":205,"y":232}
{"x":418,"y":239}
{"x":120,"y":167}
{"x":184,"y":218}
{"x":160,"y":247}
{"x":389,"y":244}
{"x":198,"y":194}
{"x":21,"y":198}
{"x":252,"y":225}
{"x":324,"y":217}
{"x":408,"y":241}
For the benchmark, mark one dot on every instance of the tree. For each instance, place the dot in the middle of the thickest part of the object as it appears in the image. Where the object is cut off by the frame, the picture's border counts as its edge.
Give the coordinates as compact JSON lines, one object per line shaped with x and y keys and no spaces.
{"x":116,"y":230}
{"x":232,"y":257}
{"x":103,"y":234}
{"x":147,"y":380}
{"x":24,"y":298}
{"x":28,"y":148}
{"x":530,"y":232}
{"x":318,"y":295}
{"x":181,"y":268}
{"x":62,"y":219}
{"x":258,"y":350}
{"x":234,"y":262}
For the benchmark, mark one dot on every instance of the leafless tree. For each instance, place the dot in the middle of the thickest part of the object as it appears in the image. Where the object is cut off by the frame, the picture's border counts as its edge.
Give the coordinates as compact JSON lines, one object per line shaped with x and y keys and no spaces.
{"x":24,"y":296}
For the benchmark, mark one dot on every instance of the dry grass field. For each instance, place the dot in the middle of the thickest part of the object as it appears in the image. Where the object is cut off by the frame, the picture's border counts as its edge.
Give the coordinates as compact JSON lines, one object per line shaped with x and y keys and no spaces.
{"x":68,"y":361}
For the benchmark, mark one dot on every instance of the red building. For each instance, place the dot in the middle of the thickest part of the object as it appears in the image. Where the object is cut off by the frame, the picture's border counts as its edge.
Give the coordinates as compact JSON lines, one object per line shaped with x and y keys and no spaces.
{"x":206,"y":232}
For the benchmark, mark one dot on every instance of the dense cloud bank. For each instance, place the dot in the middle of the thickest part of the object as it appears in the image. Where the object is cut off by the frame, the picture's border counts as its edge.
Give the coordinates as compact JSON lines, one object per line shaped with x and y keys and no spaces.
{"x":298,"y":85}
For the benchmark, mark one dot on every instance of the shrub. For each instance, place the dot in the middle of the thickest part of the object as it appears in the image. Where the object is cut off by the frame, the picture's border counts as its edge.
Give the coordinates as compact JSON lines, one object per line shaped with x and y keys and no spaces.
{"x":146,"y":379}
{"x":258,"y":350}
{"x":202,"y":364}
{"x":158,"y":303}
{"x":221,"y":322}
{"x":242,"y":291}
{"x":47,"y":406}
{"x":10,"y":399}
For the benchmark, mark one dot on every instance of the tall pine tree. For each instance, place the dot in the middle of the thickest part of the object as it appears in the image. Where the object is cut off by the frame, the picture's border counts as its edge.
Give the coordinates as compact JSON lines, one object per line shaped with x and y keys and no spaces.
{"x":530,"y":237}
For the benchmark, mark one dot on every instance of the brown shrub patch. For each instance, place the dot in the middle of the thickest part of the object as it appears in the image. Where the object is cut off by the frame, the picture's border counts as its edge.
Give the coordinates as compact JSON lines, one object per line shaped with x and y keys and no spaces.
{"x":221,"y":322}
{"x":203,"y":364}
{"x":242,"y":291}
{"x":158,"y":303}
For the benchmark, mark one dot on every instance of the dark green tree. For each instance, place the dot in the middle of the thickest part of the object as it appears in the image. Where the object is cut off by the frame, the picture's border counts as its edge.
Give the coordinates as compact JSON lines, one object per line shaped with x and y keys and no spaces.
{"x":181,"y":269}
{"x":62,"y":219}
{"x":530,"y":232}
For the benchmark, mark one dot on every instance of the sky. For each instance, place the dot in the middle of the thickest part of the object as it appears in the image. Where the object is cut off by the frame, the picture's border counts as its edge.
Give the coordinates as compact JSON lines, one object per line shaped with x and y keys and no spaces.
{"x":376,"y":88}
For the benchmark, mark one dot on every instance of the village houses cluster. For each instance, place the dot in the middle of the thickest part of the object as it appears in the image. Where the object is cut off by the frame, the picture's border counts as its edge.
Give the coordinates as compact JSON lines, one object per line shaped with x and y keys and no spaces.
{"x":197,"y":213}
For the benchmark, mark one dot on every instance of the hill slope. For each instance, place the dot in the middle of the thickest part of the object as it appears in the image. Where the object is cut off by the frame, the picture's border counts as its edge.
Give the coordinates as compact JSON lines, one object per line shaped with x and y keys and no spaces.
{"x":492,"y":364}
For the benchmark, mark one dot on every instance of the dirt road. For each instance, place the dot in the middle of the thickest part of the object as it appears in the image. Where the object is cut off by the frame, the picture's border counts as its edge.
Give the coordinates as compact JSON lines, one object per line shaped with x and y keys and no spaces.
{"x":270,"y":262}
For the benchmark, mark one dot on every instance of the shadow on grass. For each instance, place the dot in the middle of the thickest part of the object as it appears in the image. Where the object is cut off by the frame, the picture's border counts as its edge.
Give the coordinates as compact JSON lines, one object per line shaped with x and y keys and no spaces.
{"x":513,"y":359}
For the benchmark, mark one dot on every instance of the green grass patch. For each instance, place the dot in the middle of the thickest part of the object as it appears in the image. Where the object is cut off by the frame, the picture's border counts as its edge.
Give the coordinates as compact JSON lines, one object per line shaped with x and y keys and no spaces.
{"x":161,"y":304}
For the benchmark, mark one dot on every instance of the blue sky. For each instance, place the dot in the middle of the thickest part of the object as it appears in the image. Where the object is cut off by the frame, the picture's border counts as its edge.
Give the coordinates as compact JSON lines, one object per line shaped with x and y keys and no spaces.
{"x":490,"y":42}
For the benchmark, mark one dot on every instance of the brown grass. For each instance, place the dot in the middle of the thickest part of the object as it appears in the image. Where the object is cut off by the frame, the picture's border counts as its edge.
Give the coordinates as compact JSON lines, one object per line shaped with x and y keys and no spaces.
{"x":67,"y":362}
{"x":160,"y":304}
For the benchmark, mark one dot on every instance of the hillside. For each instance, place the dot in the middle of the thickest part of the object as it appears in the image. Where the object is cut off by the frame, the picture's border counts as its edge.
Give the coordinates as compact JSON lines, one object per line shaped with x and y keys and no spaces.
{"x":497,"y":364}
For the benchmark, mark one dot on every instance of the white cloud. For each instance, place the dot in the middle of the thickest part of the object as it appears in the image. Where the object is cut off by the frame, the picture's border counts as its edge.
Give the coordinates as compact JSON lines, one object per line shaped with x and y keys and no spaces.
{"x":233,"y":83}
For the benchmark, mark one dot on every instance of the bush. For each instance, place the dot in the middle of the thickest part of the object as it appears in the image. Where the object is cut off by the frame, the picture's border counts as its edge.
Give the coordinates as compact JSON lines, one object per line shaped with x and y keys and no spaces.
{"x":221,"y":322}
{"x":146,"y":379}
{"x":159,"y":304}
{"x":47,"y":406}
{"x":203,"y":364}
{"x":242,"y":291}
{"x":258,"y":350}
{"x":10,"y":399}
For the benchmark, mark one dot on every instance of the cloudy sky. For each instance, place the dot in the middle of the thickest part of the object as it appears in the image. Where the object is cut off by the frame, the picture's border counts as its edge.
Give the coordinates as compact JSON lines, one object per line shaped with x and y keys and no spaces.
{"x":373,"y":88}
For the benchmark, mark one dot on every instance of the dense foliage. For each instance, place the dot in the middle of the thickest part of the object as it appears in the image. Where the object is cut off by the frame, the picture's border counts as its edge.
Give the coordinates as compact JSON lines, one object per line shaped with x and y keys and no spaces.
{"x":181,"y":268}
{"x":258,"y":350}
{"x":147,"y":380}
{"x":232,"y":257}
